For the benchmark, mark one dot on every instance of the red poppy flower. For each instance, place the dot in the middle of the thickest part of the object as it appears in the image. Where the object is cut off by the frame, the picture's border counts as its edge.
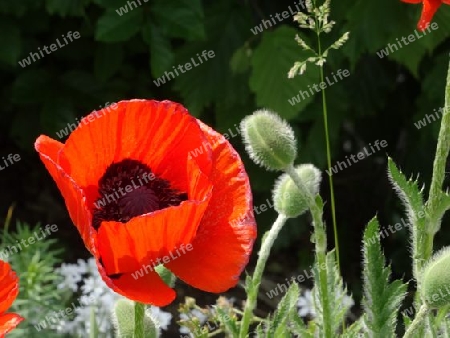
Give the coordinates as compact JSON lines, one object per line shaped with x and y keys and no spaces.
{"x":148,"y":184}
{"x":9,"y":289}
{"x":429,"y":9}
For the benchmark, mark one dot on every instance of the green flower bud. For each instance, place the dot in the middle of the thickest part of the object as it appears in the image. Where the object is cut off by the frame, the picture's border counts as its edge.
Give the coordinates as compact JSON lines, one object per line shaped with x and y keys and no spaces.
{"x":269,"y":140}
{"x":287,"y":197}
{"x":436,"y":280}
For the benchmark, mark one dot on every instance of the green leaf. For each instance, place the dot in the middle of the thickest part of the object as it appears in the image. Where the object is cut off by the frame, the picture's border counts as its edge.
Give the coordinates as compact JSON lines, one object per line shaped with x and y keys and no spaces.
{"x":241,"y":60}
{"x":66,"y":7}
{"x":442,"y":206}
{"x":368,"y":34}
{"x":180,"y":18}
{"x":409,"y":193}
{"x":299,"y":328}
{"x":31,"y":86}
{"x":108,"y":59}
{"x":355,"y":330}
{"x":161,"y":54}
{"x":10,"y":36}
{"x":338,"y":306}
{"x":271,"y":62}
{"x":56,"y":113}
{"x":287,"y":307}
{"x":112,"y":4}
{"x":166,"y":275}
{"x":382,"y":299}
{"x":228,"y":320}
{"x":211,"y":81}
{"x":112,"y":27}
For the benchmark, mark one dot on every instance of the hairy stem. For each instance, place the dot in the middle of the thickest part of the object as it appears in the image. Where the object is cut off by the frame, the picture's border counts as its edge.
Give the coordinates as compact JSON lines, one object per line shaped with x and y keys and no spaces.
{"x":320,"y":241}
{"x":420,"y":316}
{"x":139,"y":313}
{"x":263,"y":254}
{"x":442,"y":151}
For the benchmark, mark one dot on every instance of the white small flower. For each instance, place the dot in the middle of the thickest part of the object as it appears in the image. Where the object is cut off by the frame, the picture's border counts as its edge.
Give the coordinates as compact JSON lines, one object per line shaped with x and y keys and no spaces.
{"x":84,"y":277}
{"x":160,"y":317}
{"x":306,"y":305}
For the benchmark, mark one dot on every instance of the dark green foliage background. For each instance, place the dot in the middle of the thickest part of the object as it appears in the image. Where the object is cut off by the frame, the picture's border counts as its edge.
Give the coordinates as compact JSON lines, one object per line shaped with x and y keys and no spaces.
{"x":118,"y":57}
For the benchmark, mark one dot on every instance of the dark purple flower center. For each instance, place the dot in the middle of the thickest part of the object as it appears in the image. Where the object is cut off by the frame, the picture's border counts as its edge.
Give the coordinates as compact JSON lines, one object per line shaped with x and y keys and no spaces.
{"x":129,"y":189}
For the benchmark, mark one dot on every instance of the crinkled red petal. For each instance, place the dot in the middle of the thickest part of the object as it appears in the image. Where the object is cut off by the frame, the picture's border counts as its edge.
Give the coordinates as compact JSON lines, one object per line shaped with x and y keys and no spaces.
{"x":429,"y":9}
{"x":8,"y":322}
{"x":226,"y":234}
{"x":147,"y":288}
{"x":9,"y":286}
{"x":73,"y":195}
{"x":158,"y":134}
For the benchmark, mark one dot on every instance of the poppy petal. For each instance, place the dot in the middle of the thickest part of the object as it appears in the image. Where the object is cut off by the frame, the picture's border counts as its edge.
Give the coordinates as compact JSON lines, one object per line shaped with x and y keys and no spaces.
{"x":8,"y":322}
{"x":9,"y":286}
{"x":429,"y":9}
{"x":153,"y":132}
{"x":144,"y":239}
{"x":447,"y":2}
{"x":74,"y":197}
{"x":412,"y":1}
{"x":148,"y":288}
{"x":227,"y":231}
{"x":151,"y":236}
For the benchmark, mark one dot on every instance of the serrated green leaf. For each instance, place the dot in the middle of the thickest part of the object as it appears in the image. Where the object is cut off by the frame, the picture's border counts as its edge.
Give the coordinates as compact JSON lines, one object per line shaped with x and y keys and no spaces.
{"x":337,"y":306}
{"x":299,"y":328}
{"x":277,"y":326}
{"x":259,"y":332}
{"x":228,"y":321}
{"x":409,"y":193}
{"x":381,"y":299}
{"x":161,"y":54}
{"x":107,"y":61}
{"x":180,"y":19}
{"x":355,"y":330}
{"x":10,"y":37}
{"x":269,"y":80}
{"x":112,"y":27}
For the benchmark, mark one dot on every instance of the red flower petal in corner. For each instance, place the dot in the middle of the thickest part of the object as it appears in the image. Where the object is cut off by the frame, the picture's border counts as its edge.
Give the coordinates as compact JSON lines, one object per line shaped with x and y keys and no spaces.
{"x":429,"y":9}
{"x":148,"y":184}
{"x":9,"y":289}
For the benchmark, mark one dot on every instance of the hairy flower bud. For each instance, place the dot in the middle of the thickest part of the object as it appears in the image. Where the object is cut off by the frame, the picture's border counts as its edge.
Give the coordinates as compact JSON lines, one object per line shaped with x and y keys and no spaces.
{"x":288,"y":199}
{"x":269,"y":140}
{"x":436,"y":280}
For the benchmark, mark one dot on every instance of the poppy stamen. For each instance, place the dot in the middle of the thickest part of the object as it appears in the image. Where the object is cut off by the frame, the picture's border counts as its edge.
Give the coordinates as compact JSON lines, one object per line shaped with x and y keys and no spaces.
{"x":128,"y":189}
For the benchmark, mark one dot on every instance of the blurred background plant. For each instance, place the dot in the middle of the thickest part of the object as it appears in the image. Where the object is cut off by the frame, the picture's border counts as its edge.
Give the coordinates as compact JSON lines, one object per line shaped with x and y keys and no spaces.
{"x":120,"y":56}
{"x":35,"y":267}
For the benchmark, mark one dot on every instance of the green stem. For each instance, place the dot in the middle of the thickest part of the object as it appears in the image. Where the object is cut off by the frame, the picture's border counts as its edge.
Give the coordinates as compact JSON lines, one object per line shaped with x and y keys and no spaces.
{"x":442,"y":151}
{"x":320,"y":240}
{"x":420,"y":316}
{"x":327,"y":141}
{"x":94,"y":327}
{"x":139,"y":313}
{"x":263,"y":254}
